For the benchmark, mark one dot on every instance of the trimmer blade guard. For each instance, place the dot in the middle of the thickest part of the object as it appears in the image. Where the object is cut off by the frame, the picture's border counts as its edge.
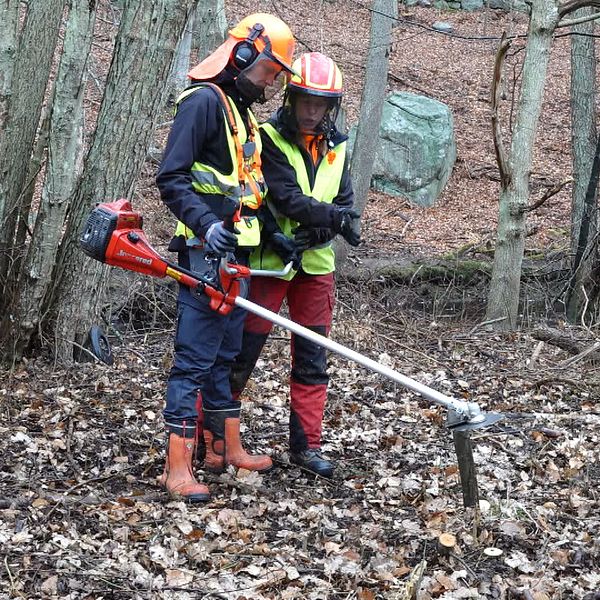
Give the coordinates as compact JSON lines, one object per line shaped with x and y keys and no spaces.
{"x":458,"y":422}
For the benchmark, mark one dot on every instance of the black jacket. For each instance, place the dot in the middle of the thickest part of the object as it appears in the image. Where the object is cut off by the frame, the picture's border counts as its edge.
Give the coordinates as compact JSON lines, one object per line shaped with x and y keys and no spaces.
{"x":284,"y":191}
{"x":198,"y":134}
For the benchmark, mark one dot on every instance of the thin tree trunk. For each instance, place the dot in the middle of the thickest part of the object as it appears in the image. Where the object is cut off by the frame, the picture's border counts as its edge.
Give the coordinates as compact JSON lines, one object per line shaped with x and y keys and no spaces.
{"x":584,"y":226}
{"x":135,"y":93}
{"x":9,"y":17}
{"x":503,"y":299}
{"x":35,"y":170}
{"x":63,"y":168}
{"x":210,"y":27}
{"x":29,"y":82}
{"x":181,"y":64}
{"x":383,"y":14}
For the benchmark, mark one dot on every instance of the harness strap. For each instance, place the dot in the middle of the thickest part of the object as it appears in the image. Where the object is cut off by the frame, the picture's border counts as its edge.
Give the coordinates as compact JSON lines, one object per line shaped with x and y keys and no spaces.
{"x":243,"y":167}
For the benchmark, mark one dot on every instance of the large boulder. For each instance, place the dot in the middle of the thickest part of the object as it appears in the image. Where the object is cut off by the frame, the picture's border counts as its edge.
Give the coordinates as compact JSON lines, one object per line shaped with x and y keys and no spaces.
{"x":471,"y":5}
{"x":417,"y":149}
{"x":509,"y":5}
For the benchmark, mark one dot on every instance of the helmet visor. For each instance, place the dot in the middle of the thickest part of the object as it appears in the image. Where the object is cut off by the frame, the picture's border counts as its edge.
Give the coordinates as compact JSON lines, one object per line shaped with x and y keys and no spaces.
{"x":266,"y":74}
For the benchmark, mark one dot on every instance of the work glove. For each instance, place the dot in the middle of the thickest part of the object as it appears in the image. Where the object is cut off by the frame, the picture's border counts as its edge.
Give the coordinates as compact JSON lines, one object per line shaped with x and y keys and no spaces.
{"x":285,"y":248}
{"x":309,"y":237}
{"x":219,"y":240}
{"x":346,"y":222}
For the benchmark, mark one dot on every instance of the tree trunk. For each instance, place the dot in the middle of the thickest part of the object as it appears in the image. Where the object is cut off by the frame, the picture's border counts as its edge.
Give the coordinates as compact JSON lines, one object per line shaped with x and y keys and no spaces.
{"x":29,"y":82}
{"x":584,"y":221}
{"x":9,"y":18}
{"x":181,"y":64}
{"x":503,"y":299}
{"x":367,"y":134}
{"x":62,"y":170}
{"x":135,"y":93}
{"x":210,"y":27}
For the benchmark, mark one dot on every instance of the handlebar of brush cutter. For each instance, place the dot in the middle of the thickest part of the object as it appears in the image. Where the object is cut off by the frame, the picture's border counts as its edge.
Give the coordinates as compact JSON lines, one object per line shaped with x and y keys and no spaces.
{"x":113,"y":235}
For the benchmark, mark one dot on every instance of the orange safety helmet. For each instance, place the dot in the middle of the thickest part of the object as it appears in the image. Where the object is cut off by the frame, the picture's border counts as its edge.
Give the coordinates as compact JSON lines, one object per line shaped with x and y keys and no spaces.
{"x":257,"y":35}
{"x":316,"y":75}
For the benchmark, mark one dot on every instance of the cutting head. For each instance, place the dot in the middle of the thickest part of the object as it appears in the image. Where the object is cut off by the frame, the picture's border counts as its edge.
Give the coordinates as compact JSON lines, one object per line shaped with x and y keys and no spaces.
{"x":457,"y":421}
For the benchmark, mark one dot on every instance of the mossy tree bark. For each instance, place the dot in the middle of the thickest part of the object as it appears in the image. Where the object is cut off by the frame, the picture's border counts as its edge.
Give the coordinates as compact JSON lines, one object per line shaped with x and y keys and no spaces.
{"x":134,"y":96}
{"x":64,"y":165}
{"x":584,"y":222}
{"x":28,"y":80}
{"x":503,"y":298}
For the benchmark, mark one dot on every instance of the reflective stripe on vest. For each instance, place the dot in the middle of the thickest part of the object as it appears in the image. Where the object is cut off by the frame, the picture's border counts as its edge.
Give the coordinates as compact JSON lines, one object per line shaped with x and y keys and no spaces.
{"x":321,"y":260}
{"x":208,"y":180}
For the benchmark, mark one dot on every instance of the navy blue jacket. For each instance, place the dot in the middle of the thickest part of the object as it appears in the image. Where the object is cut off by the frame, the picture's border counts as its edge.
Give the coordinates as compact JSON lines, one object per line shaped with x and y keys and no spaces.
{"x":198,"y":134}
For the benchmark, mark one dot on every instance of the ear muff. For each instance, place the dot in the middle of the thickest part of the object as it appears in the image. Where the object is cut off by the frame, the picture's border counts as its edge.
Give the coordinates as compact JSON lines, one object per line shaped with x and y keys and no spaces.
{"x":245,"y":53}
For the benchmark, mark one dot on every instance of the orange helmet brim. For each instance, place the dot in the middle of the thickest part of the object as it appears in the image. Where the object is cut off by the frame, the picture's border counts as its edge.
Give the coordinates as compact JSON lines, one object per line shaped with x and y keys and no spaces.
{"x":214,"y":63}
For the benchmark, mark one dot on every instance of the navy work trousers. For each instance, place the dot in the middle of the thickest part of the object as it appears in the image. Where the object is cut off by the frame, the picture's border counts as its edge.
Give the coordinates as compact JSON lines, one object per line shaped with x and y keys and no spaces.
{"x":206,"y":344}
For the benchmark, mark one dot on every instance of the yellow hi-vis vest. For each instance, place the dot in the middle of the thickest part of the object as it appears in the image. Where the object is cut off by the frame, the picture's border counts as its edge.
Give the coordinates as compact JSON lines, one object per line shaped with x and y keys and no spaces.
{"x":245,"y":183}
{"x":321,"y":260}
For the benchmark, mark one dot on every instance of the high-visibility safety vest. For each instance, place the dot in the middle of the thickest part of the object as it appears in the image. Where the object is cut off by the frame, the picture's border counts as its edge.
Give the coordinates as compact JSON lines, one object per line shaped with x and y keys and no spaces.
{"x":320,"y":260}
{"x":245,"y":184}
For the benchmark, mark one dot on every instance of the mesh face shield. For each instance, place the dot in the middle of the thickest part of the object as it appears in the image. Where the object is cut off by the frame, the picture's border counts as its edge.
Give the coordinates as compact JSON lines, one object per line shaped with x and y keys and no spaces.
{"x":262,"y":79}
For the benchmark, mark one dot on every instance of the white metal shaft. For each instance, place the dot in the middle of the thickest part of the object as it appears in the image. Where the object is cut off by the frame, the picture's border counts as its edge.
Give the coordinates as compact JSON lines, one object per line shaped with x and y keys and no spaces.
{"x":437,"y":397}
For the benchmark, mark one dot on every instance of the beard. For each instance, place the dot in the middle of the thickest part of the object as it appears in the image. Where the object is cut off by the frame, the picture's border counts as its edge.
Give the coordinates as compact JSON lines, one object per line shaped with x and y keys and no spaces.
{"x":249,"y":90}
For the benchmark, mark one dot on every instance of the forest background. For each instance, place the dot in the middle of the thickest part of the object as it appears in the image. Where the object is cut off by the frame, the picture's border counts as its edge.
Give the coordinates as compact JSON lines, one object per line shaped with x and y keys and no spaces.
{"x":80,"y":514}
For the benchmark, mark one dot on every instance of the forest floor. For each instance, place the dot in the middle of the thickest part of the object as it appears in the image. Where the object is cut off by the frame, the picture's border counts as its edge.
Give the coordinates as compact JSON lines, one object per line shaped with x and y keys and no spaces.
{"x":81,"y":515}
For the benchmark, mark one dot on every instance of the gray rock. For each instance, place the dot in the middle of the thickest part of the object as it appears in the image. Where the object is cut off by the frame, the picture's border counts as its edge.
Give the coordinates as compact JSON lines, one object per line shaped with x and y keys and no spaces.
{"x":509,"y":5}
{"x":471,"y":5}
{"x":443,"y":26}
{"x":417,"y":149}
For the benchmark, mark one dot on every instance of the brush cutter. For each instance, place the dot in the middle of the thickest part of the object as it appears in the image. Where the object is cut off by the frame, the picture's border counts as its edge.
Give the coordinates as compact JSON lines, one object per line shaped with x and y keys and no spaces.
{"x":113,"y":235}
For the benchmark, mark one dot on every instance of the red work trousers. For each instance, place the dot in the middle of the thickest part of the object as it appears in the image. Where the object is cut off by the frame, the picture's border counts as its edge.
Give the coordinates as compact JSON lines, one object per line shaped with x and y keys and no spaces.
{"x":310,"y":301}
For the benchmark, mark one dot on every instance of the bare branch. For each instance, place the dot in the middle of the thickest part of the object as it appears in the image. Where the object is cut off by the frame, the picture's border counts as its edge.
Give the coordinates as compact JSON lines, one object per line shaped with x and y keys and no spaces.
{"x":573,"y":5}
{"x":503,"y":167}
{"x":585,"y":19}
{"x":548,"y":194}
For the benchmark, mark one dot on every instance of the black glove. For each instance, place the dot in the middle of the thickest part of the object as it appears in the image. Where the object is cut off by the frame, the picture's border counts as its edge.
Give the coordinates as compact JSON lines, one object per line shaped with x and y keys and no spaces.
{"x":285,"y":248}
{"x":346,"y":222}
{"x":309,"y":237}
{"x":219,"y":240}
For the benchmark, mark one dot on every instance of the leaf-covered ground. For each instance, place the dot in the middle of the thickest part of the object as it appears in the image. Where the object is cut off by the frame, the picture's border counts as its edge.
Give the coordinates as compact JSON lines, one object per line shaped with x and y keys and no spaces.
{"x":82,"y":517}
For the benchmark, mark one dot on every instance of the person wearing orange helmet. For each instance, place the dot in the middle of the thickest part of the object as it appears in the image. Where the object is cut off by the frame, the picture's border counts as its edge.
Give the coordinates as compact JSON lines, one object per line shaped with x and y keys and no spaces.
{"x":310,"y":193}
{"x":210,"y":175}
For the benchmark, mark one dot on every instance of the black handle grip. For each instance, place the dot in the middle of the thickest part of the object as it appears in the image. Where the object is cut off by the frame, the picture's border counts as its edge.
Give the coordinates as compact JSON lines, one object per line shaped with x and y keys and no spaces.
{"x":229,"y":224}
{"x":230,"y":221}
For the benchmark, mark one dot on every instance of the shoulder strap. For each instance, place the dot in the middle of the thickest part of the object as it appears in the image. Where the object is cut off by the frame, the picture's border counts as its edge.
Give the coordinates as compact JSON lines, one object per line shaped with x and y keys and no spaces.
{"x":225,"y":104}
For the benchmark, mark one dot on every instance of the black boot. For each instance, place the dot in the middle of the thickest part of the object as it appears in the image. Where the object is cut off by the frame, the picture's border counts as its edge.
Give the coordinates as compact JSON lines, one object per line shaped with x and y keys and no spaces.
{"x":312,"y":460}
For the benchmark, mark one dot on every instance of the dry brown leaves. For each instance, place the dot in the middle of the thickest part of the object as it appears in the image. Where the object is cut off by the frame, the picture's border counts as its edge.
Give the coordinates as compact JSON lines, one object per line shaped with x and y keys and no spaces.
{"x":82,"y":517}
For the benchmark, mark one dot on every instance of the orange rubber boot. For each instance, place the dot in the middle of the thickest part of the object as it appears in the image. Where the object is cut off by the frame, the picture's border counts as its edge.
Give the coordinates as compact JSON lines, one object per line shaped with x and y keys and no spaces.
{"x":178,"y":476}
{"x":236,"y":455}
{"x":214,"y":458}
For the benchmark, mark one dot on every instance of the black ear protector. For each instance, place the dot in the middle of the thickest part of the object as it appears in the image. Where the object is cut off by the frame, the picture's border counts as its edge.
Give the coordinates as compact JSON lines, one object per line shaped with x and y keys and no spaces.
{"x":245,"y":53}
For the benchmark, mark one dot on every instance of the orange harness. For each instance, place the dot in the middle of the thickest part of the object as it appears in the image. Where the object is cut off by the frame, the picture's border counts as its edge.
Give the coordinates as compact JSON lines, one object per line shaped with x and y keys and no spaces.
{"x":245,"y":165}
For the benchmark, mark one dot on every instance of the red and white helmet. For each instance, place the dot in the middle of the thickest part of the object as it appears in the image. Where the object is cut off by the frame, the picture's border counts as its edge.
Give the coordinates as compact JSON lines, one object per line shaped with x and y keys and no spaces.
{"x":316,"y":75}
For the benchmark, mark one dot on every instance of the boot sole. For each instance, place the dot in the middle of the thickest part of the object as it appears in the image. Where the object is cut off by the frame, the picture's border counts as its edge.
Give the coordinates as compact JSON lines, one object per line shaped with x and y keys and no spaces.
{"x":325,"y":474}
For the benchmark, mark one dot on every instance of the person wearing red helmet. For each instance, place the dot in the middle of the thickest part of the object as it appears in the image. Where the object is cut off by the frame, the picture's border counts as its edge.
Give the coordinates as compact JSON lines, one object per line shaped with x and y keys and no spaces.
{"x":310,"y":193}
{"x":211,"y":170}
